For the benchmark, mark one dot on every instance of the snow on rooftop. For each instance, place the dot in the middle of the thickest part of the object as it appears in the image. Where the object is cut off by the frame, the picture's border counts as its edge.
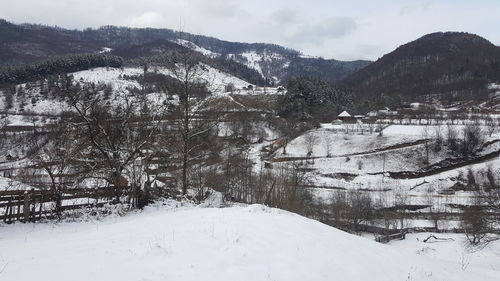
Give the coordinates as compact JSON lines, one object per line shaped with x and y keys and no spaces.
{"x":344,"y":114}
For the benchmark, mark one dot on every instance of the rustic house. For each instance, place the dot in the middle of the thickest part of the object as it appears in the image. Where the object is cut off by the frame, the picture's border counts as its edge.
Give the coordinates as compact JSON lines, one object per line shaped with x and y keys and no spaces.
{"x":345,"y":117}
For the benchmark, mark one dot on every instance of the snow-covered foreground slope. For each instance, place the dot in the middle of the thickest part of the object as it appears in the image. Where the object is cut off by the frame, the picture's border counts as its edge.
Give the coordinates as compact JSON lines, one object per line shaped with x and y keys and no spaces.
{"x":239,"y":243}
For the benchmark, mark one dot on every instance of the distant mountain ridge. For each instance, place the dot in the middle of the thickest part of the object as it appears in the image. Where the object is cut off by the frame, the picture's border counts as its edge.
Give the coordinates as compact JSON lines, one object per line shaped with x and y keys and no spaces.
{"x":447,"y":66}
{"x":27,"y":43}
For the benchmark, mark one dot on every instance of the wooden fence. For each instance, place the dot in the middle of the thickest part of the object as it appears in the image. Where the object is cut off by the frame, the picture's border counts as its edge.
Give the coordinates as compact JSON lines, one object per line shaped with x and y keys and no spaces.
{"x":32,"y":205}
{"x":387,"y":238}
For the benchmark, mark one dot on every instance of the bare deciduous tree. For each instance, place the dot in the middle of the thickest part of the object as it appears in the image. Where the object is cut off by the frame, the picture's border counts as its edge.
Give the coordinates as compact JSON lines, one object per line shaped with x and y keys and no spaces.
{"x":192,"y":124}
{"x":426,"y":137}
{"x":380,"y":128}
{"x":435,"y":207}
{"x":310,"y":140}
{"x":401,"y":199}
{"x":116,"y":135}
{"x":438,"y":136}
{"x":491,"y":124}
{"x":451,"y":137}
{"x":327,"y":145}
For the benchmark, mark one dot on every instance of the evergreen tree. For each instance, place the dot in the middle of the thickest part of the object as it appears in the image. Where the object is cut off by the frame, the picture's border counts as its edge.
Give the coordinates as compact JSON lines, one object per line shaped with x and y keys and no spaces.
{"x":309,"y":97}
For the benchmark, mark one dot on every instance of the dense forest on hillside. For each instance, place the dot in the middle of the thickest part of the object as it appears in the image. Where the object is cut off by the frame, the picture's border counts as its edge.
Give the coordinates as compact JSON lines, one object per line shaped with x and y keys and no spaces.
{"x":447,"y":67}
{"x":57,"y":65}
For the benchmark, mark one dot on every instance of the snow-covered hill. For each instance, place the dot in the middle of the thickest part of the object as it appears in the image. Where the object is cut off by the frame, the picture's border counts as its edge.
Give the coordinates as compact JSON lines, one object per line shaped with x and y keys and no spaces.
{"x":216,"y":79}
{"x":268,"y":64}
{"x":189,"y":243}
{"x":33,"y":102}
{"x":277,"y":64}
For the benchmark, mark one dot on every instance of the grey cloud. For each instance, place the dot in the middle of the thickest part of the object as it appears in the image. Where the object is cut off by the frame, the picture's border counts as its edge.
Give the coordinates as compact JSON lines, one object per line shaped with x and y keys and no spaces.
{"x":283,"y":16}
{"x":148,"y":19}
{"x":368,"y":50}
{"x":331,"y":28}
{"x":415,"y":7}
{"x":221,"y":8}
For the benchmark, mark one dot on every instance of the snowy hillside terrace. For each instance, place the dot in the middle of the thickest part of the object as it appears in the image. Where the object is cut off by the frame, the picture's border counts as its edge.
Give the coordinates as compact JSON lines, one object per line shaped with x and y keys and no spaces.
{"x":391,"y":165}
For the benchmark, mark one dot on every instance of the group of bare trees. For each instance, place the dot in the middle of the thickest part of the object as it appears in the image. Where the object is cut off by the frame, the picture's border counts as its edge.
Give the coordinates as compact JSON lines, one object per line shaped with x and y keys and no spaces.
{"x":100,"y":145}
{"x":351,"y":208}
{"x":480,"y":220}
{"x":127,"y":138}
{"x":372,"y":211}
{"x":118,"y":141}
{"x":481,"y":216}
{"x":280,"y":185}
{"x":463,"y":141}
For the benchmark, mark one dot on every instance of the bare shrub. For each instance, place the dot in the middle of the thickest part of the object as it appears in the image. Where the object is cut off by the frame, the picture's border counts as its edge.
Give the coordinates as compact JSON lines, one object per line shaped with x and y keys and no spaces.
{"x":426,"y":137}
{"x":351,"y":208}
{"x":401,"y":199}
{"x":474,"y":224}
{"x":435,"y":207}
{"x":438,"y":144}
{"x":380,"y":128}
{"x":472,"y":138}
{"x":360,"y":164}
{"x":230,"y":88}
{"x":491,"y":124}
{"x":471,"y":179}
{"x":452,"y":138}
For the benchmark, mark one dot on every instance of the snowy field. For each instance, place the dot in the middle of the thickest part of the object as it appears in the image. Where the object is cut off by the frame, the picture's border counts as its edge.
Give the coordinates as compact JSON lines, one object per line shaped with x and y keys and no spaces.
{"x":399,"y":148}
{"x":362,"y":161}
{"x":452,"y":250}
{"x":341,"y":144}
{"x":237,"y":243}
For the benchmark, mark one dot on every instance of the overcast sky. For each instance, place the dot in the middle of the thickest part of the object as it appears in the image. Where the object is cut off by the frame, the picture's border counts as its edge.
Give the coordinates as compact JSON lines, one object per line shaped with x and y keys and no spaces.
{"x":346,"y":30}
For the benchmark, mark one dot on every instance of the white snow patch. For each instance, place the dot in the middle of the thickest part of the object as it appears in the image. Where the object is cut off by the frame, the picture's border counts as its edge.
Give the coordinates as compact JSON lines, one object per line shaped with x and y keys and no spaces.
{"x":196,"y":48}
{"x":238,"y":243}
{"x":105,"y":50}
{"x":253,"y":60}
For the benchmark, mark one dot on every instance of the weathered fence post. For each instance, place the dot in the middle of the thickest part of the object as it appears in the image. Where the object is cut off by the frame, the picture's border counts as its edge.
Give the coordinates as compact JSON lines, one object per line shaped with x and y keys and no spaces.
{"x":6,"y":217}
{"x":26,"y":209}
{"x":40,"y":209}
{"x":18,"y":214}
{"x":58,"y":201}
